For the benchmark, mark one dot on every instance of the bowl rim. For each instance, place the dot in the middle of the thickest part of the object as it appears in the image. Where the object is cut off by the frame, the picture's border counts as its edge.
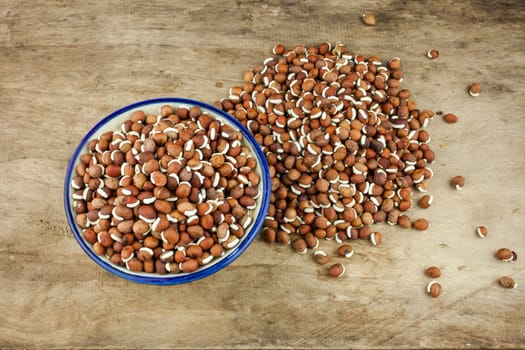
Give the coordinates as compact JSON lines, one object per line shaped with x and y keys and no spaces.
{"x":168,"y":279}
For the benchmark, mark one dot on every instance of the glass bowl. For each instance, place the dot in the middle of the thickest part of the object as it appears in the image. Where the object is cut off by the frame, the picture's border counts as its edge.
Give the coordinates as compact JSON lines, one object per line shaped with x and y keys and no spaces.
{"x":112,"y":122}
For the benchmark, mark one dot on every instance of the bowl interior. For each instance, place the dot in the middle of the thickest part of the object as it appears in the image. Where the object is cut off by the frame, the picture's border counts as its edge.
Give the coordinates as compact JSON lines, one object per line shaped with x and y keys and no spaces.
{"x":112,"y":122}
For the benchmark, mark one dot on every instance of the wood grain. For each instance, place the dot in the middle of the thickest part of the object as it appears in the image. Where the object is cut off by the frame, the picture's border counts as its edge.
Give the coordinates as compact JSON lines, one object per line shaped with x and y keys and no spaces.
{"x":66,"y":64}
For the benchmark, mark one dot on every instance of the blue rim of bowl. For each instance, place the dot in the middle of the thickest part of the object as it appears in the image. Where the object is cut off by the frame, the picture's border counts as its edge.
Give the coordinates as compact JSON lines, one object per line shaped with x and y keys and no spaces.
{"x":176,"y":278}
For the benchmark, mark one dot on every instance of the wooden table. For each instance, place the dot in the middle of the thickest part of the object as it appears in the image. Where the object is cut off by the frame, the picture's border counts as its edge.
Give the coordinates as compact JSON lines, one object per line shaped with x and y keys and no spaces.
{"x":65,"y":65}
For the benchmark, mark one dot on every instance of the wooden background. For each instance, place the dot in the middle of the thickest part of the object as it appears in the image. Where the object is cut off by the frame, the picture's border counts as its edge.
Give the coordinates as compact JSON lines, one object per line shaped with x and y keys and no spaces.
{"x":66,"y":64}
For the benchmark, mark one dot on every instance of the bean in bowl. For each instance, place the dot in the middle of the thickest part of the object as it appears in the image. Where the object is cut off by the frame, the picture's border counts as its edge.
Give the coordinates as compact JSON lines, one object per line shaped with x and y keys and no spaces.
{"x":168,"y":193}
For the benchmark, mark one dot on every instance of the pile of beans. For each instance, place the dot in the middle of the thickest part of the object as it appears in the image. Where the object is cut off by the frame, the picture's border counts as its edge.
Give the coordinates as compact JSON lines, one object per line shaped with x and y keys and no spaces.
{"x":168,"y":192}
{"x":346,"y":144}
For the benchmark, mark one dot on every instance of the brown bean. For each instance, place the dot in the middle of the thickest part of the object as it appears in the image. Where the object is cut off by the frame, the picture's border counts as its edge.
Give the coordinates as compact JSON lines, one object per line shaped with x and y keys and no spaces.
{"x":151,"y":187}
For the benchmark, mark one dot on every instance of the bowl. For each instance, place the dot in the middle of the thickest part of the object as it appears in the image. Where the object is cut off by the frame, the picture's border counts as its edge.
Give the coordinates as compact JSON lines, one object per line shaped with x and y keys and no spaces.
{"x":113,"y":122}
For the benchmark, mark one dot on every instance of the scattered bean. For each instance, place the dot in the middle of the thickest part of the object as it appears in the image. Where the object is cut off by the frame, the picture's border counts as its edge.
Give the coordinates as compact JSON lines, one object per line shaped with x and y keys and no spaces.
{"x":433,"y":271}
{"x":321,"y":257}
{"x":336,"y":270}
{"x":458,"y":182}
{"x":420,"y":224}
{"x":434,"y":289}
{"x":345,"y":143}
{"x":433,"y":53}
{"x":482,"y":231}
{"x":369,"y":18}
{"x":508,"y":282}
{"x":475,"y":89}
{"x":450,"y":118}
{"x":425,"y":201}
{"x":299,"y":245}
{"x":345,"y":250}
{"x":505,"y":254}
{"x":404,"y":221}
{"x":376,"y":238}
